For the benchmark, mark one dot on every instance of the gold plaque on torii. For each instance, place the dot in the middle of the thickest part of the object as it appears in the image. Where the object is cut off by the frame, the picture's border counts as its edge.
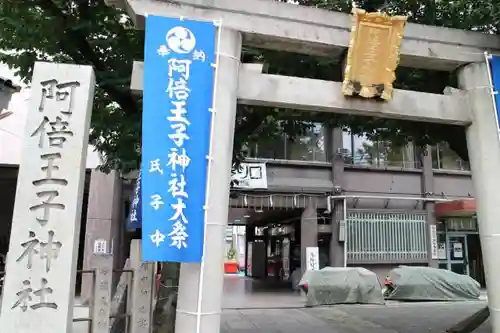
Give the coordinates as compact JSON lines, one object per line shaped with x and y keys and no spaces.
{"x":373,"y":54}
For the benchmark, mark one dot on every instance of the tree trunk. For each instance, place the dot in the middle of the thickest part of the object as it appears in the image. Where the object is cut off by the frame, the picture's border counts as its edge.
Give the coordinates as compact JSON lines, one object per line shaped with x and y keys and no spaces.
{"x":164,"y":312}
{"x":472,"y":322}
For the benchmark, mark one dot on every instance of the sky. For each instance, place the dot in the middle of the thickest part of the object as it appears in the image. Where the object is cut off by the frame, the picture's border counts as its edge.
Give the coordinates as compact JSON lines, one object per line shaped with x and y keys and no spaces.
{"x":12,"y":127}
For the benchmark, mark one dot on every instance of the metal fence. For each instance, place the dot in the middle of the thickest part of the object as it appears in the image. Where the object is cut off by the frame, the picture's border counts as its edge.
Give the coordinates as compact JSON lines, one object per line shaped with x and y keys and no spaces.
{"x":386,"y":237}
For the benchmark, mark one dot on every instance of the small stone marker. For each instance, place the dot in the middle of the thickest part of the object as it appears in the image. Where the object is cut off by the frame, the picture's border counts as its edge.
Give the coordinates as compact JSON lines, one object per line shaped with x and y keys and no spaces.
{"x":40,"y":282}
{"x":101,"y":306}
{"x":142,"y":290}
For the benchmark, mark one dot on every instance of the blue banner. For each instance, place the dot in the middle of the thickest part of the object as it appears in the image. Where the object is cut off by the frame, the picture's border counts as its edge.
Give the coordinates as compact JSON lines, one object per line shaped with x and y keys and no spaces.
{"x":135,"y":215}
{"x":495,"y":80}
{"x":177,"y":102}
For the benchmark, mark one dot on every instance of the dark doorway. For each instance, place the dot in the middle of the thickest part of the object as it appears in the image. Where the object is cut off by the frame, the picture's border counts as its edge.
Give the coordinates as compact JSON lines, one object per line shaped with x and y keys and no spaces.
{"x":475,"y":259}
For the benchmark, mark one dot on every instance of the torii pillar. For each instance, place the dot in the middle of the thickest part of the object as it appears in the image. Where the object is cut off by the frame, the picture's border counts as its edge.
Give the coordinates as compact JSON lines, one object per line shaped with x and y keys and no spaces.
{"x":484,"y":154}
{"x":200,"y":311}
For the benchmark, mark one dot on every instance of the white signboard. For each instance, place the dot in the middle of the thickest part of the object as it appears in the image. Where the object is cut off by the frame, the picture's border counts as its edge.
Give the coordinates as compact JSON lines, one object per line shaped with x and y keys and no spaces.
{"x":312,"y":258}
{"x":458,"y":250}
{"x":100,"y":246}
{"x":41,"y":271}
{"x":250,"y":176}
{"x":434,"y":242}
{"x":442,"y":250}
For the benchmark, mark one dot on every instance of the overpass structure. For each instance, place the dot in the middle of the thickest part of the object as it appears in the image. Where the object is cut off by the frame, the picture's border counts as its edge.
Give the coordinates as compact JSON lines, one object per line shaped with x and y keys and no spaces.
{"x":289,"y":27}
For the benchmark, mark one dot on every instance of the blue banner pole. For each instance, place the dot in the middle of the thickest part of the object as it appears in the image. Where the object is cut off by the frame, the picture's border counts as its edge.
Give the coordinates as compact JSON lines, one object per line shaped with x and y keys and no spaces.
{"x":209,"y":170}
{"x":490,"y":63}
{"x":176,"y":133}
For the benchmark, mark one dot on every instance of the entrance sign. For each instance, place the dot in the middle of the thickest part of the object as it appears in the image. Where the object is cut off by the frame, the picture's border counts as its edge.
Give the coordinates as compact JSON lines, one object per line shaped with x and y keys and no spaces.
{"x":178,"y":94}
{"x":312,"y":256}
{"x":250,"y":176}
{"x":373,"y":54}
{"x":458,"y":252}
{"x":39,"y":289}
{"x":442,"y":255}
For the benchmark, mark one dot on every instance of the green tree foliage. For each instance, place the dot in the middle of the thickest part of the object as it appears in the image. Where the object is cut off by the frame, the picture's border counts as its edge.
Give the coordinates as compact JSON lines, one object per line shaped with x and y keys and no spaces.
{"x":385,"y":153}
{"x":89,"y":32}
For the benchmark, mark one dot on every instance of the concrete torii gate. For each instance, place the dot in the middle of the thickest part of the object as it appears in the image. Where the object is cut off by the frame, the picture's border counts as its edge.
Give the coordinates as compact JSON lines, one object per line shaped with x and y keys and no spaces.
{"x":288,"y":27}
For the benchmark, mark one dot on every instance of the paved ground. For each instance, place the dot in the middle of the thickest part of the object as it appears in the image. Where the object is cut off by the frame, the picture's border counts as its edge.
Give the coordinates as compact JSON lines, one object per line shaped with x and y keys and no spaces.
{"x":254,"y":307}
{"x":393,"y":318}
{"x":243,"y":293}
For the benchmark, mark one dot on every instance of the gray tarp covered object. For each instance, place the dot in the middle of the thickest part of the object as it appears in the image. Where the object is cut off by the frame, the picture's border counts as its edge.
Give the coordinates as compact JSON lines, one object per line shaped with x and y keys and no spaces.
{"x":340,"y":285}
{"x":431,"y":284}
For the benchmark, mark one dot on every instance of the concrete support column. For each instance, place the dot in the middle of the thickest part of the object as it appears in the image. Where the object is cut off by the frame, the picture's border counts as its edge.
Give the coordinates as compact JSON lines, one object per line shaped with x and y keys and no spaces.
{"x":484,"y":155}
{"x":206,"y":319}
{"x":337,"y":257}
{"x":428,"y":191}
{"x":308,"y":232}
{"x":103,"y":229}
{"x":336,"y":248}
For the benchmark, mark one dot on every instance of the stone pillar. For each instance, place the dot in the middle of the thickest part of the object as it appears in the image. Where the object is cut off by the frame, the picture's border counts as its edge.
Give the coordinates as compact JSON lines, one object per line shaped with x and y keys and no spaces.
{"x":104,"y":223}
{"x":484,"y":155}
{"x":337,"y":160}
{"x":212,"y":282}
{"x":143,"y":284}
{"x":103,"y":289}
{"x":428,"y":191}
{"x":39,"y":290}
{"x":337,"y":257}
{"x":308,"y":232}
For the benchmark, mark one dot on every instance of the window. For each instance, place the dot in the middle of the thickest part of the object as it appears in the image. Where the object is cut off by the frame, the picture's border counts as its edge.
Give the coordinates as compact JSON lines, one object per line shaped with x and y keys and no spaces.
{"x":446,"y":159}
{"x":359,"y":150}
{"x":364,"y":151}
{"x":308,"y":147}
{"x":273,"y":148}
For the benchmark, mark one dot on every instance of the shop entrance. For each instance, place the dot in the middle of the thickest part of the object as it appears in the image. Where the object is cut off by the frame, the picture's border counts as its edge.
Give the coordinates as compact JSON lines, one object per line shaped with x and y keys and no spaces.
{"x":475,"y":259}
{"x":460,"y":249}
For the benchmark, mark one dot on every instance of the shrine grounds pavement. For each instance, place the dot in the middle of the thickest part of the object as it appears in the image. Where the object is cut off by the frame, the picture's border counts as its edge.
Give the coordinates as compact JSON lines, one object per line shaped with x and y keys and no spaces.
{"x":390,"y":318}
{"x":253,"y":306}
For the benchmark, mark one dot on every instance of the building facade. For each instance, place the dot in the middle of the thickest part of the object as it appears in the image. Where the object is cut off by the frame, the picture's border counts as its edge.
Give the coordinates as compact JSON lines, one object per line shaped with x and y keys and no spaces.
{"x":375,"y":204}
{"x":362,"y":202}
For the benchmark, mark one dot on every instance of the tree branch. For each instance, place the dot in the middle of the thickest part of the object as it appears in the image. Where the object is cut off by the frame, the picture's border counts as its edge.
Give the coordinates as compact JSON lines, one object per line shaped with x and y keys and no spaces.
{"x":74,"y":37}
